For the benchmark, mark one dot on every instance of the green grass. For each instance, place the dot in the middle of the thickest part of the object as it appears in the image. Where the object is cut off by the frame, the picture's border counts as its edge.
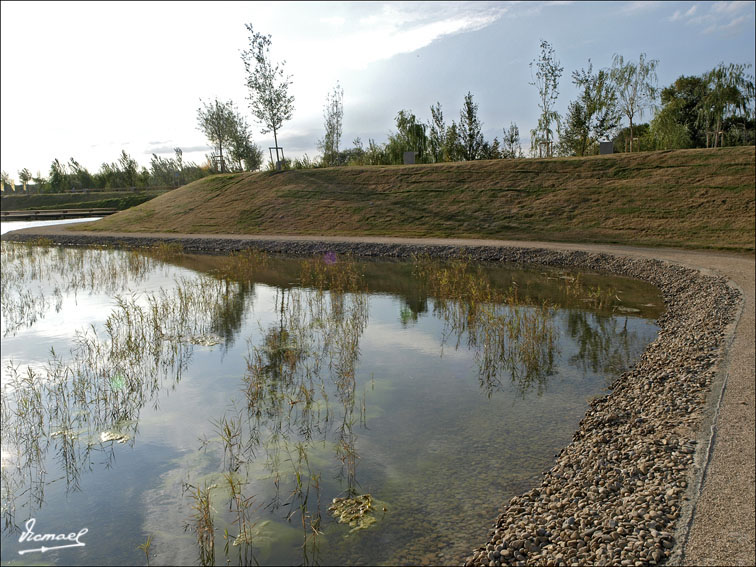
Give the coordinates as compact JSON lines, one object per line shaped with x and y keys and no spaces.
{"x":681,"y":198}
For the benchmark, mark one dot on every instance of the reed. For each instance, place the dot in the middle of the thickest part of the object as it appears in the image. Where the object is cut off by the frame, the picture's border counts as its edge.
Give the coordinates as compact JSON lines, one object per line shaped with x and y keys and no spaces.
{"x":202,"y":523}
{"x":145,"y":547}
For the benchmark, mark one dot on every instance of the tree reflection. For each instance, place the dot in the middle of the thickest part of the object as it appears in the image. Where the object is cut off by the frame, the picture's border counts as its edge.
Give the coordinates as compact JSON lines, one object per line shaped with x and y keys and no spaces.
{"x":301,"y":392}
{"x":509,"y":338}
{"x":301,"y":413}
{"x":88,"y":400}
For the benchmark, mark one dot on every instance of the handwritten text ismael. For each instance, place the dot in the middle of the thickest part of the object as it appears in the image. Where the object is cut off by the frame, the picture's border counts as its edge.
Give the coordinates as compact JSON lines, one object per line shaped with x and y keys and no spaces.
{"x":29,"y":536}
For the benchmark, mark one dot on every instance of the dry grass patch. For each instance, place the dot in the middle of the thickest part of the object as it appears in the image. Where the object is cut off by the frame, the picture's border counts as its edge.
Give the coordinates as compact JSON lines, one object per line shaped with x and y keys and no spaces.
{"x":684,"y":198}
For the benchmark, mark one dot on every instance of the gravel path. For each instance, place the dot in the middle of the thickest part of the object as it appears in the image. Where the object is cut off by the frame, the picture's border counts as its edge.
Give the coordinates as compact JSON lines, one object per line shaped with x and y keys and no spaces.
{"x":660,"y":471}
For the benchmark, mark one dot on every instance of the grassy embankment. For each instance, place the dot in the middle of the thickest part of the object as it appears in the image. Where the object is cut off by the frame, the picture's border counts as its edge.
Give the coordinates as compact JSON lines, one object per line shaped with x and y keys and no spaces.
{"x":682,"y":198}
{"x":120,"y":200}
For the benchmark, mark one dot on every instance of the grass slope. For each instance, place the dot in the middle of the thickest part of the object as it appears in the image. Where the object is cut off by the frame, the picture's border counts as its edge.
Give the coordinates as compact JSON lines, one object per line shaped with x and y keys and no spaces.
{"x":682,"y":198}
{"x":120,"y":200}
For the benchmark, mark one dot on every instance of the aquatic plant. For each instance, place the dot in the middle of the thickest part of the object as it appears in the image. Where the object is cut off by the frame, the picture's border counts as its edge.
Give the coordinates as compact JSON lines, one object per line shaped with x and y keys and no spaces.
{"x":202,"y":523}
{"x":145,"y":547}
{"x":507,"y":333}
{"x":356,"y":511}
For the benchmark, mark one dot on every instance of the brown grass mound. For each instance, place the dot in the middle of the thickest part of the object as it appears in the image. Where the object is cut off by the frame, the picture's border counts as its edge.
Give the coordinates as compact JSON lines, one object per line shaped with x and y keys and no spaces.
{"x":683,"y":198}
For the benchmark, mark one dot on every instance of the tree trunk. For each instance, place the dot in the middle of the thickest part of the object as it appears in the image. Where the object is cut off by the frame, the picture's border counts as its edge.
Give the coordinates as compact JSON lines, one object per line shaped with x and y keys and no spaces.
{"x":716,"y":133}
{"x":631,"y":134}
{"x":275,"y":142}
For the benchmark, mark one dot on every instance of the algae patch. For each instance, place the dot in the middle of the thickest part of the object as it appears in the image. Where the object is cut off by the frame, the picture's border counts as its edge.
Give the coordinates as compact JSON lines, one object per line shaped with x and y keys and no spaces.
{"x":358,"y":512}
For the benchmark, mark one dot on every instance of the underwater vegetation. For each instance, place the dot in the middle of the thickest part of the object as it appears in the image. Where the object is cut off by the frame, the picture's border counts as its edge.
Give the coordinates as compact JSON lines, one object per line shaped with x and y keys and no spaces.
{"x":294,"y":441}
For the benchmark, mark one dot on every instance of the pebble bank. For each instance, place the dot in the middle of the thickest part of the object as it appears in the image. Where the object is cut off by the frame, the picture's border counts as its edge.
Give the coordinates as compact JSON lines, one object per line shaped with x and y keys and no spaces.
{"x":617,"y":493}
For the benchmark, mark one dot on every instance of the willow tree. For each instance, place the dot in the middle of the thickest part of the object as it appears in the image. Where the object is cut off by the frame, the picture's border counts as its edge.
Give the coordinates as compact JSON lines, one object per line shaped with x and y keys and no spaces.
{"x":635,"y":85}
{"x":728,"y":90}
{"x":269,"y":98}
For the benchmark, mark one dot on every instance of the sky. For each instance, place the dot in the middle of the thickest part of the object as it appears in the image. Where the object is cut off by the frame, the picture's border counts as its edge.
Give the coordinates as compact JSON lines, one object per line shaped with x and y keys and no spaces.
{"x":89,"y":79}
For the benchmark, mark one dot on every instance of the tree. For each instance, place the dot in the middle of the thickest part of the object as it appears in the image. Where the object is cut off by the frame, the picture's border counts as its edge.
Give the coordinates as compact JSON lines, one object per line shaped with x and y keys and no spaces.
{"x":59,"y":181}
{"x":635,"y":85}
{"x":217,"y":120}
{"x":80,"y":177}
{"x":6,"y":181}
{"x":452,"y":150}
{"x":437,"y":133}
{"x":269,"y":98}
{"x":129,"y":169}
{"x":24,"y":176}
{"x":680,"y":105}
{"x":244,"y":154}
{"x":641,"y":133}
{"x":546,"y":80}
{"x":490,"y":151}
{"x":410,"y":136}
{"x":593,"y":116}
{"x":511,"y":142}
{"x":669,"y":133}
{"x":470,"y":127}
{"x":333,"y":116}
{"x":575,"y":138}
{"x":163,"y":171}
{"x":729,"y":91}
{"x":179,"y":165}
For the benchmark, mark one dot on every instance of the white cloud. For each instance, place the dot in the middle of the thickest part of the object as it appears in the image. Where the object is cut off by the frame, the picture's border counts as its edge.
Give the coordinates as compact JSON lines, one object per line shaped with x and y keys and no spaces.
{"x":333,"y":21}
{"x":407,"y":27}
{"x":733,"y":24}
{"x":723,"y":17}
{"x":729,"y":7}
{"x":640,"y":7}
{"x":679,"y":15}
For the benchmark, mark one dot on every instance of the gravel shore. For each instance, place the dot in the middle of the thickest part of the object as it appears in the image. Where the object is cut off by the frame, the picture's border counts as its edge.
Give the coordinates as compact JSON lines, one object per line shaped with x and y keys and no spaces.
{"x":624,"y":492}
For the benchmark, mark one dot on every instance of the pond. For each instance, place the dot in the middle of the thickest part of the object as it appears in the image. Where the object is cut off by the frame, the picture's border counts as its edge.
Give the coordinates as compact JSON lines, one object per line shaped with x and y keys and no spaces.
{"x":252,"y":408}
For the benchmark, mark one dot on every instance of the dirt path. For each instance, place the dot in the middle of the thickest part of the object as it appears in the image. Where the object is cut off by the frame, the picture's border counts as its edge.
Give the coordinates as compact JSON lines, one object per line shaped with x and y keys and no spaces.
{"x":722,"y":518}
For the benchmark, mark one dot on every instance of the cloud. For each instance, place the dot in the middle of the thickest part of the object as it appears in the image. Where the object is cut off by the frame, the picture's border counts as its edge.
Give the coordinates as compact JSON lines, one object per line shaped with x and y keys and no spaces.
{"x":403,"y":28}
{"x":171,"y":149}
{"x":733,"y":24}
{"x":333,"y":21}
{"x":729,"y":7}
{"x":679,"y":15}
{"x":640,"y":7}
{"x":722,"y":17}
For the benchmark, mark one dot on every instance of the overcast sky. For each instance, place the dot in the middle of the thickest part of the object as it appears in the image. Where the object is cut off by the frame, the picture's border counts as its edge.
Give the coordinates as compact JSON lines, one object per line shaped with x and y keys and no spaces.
{"x":86,"y":80}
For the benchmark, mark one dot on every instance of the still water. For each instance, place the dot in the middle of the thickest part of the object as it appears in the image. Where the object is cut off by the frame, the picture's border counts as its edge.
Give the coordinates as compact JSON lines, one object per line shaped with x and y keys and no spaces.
{"x":7,"y":226}
{"x":255,"y":409}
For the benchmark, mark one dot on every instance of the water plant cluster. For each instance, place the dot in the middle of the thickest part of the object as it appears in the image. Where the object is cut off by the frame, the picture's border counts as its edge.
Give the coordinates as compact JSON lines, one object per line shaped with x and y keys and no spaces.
{"x":301,"y":395}
{"x":302,"y":402}
{"x":506,"y":334}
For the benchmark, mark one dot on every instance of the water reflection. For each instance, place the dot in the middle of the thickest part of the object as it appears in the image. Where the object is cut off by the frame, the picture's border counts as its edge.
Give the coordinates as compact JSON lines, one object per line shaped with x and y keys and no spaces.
{"x":85,"y":401}
{"x":508,"y":336}
{"x":303,"y":413}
